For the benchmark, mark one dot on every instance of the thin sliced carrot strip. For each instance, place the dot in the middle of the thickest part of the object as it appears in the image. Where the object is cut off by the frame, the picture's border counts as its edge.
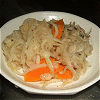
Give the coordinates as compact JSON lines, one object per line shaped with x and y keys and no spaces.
{"x":60,"y":25}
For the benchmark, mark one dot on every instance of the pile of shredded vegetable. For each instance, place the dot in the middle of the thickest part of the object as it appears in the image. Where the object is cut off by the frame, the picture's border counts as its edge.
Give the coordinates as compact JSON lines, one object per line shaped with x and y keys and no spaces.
{"x":48,"y":52}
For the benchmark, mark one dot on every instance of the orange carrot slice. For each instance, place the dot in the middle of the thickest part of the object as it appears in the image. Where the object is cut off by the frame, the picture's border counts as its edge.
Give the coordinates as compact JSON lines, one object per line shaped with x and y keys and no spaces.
{"x":60,"y":68}
{"x":43,"y":60}
{"x":67,"y":75}
{"x":60,"y":25}
{"x":34,"y":75}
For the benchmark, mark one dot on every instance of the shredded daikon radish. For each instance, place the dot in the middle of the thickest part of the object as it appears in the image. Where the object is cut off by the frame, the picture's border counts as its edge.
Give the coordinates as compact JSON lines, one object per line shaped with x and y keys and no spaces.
{"x":33,"y":41}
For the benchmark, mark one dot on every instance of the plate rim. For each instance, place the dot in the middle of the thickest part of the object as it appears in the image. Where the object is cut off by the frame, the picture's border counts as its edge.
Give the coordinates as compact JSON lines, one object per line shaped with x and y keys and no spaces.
{"x":44,"y":91}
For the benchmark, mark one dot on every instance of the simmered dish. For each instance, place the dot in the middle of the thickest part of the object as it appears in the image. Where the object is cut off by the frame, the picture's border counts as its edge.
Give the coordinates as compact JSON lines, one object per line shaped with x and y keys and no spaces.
{"x":48,"y":52}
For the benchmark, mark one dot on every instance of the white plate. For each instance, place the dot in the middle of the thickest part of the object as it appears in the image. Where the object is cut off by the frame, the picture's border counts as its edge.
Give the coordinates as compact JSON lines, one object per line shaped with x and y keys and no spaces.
{"x":92,"y":74}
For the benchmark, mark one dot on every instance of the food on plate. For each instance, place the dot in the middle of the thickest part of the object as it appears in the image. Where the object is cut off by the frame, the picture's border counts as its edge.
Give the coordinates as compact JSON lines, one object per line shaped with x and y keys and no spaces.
{"x":48,"y":52}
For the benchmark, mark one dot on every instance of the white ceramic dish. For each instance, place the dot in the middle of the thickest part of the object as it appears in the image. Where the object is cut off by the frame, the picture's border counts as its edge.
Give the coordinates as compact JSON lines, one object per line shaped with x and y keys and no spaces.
{"x":92,"y":74}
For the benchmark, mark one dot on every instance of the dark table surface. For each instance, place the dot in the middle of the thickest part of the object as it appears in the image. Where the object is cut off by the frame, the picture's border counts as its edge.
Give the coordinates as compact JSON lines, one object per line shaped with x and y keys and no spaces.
{"x":88,"y":9}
